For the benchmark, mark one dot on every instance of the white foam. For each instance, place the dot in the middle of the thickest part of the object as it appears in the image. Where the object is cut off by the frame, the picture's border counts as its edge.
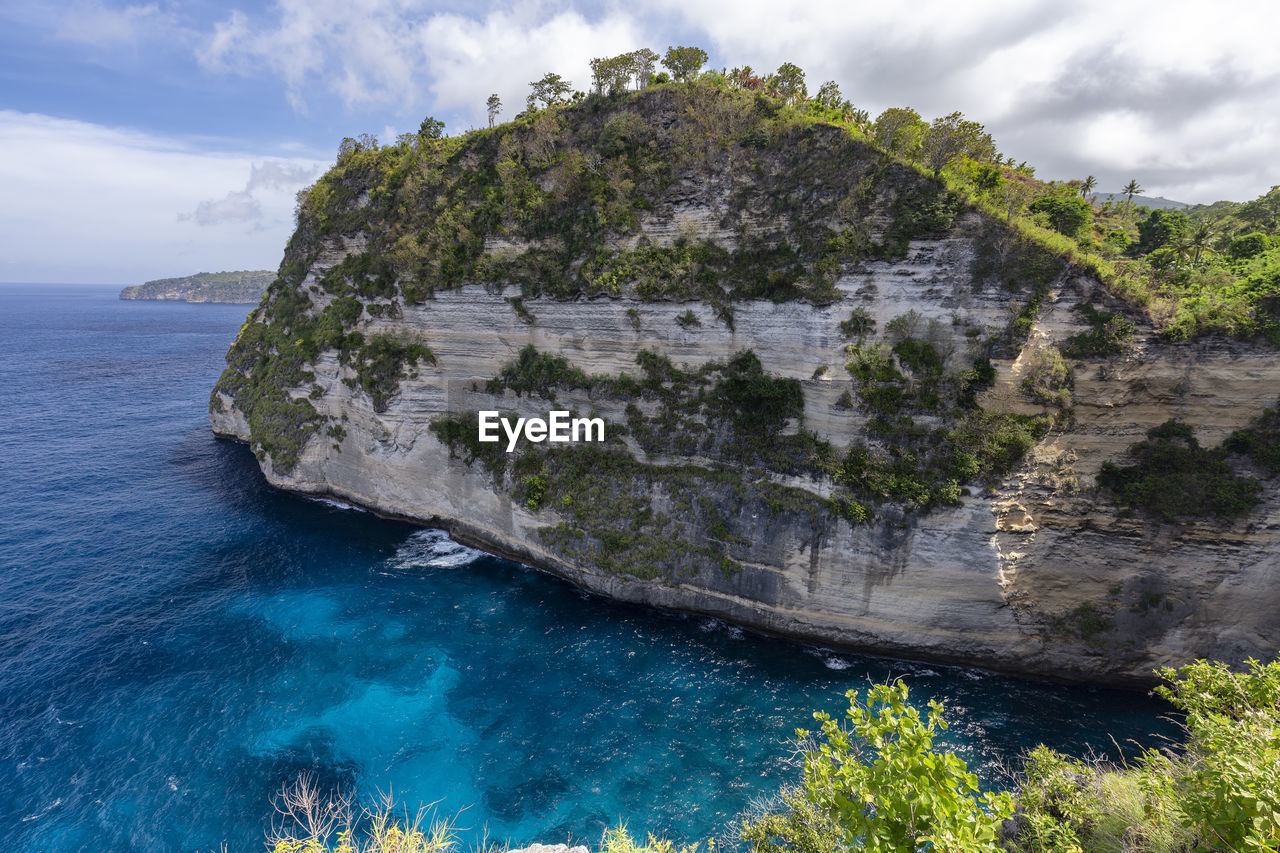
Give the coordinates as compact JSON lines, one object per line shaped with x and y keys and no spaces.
{"x":337,"y":504}
{"x":432,"y":549}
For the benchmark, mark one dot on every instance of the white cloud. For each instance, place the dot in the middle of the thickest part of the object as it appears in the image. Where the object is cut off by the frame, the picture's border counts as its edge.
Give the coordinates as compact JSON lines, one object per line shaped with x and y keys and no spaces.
{"x":398,"y":54}
{"x":1181,"y":95}
{"x":1177,"y":93}
{"x":237,"y":206}
{"x":83,"y":202}
{"x":101,"y":26}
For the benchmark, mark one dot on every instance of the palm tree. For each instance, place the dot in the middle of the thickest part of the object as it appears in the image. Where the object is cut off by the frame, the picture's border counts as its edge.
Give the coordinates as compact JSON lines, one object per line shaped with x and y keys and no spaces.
{"x":1131,"y":189}
{"x":1199,"y":238}
{"x":1087,"y":185}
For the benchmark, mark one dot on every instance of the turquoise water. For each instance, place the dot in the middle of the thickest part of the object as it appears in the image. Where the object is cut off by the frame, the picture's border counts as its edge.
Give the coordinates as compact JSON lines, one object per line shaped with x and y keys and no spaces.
{"x":177,"y":639}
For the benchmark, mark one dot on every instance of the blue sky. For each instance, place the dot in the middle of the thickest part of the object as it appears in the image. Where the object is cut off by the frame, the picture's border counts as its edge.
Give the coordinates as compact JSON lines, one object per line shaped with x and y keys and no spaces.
{"x":147,"y":139}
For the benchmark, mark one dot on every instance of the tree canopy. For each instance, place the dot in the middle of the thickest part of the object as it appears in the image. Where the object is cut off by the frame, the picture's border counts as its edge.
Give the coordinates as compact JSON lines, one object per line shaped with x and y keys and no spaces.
{"x":684,"y":63}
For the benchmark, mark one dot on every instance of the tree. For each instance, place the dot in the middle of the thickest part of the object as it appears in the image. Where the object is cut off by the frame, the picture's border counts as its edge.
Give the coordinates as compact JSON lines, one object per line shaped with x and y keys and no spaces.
{"x":788,"y":82}
{"x":898,"y":129}
{"x":494,"y":106}
{"x":986,"y":179}
{"x":1131,"y":189}
{"x":745,"y":78}
{"x":1087,"y":185}
{"x":610,"y":75}
{"x":1161,"y":228}
{"x":430,"y":128}
{"x":551,"y":90}
{"x":829,"y":97}
{"x":951,"y":137}
{"x":643,"y":62}
{"x":1197,"y":239}
{"x":1263,"y":212}
{"x":684,"y":63}
{"x":1015,"y":194}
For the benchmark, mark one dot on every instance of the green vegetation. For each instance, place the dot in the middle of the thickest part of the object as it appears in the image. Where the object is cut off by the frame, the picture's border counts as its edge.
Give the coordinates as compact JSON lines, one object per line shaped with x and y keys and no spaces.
{"x":1110,"y":333}
{"x":380,"y":362}
{"x":538,"y":373}
{"x":1048,"y":378}
{"x":544,"y":203}
{"x":923,"y":463}
{"x":609,"y":502}
{"x":1173,"y":477}
{"x":1221,"y":792}
{"x":1260,"y":441}
{"x":239,"y":286}
{"x":877,"y":784}
{"x":267,"y":367}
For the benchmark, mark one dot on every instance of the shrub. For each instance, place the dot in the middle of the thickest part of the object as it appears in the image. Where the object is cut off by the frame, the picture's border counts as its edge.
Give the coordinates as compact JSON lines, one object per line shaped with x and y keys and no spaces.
{"x":756,"y":401}
{"x":688,"y":320}
{"x":1067,"y":215}
{"x":311,"y":821}
{"x":1173,"y":477}
{"x":1048,"y":378}
{"x":1248,"y":245}
{"x":538,"y":373}
{"x":1111,"y":333}
{"x":877,"y":784}
{"x":381,"y":361}
{"x":859,"y":325}
{"x":1161,"y":228}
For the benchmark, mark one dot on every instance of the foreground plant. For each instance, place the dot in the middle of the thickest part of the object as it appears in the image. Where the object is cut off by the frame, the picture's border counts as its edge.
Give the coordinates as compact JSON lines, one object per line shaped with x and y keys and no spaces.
{"x":309,"y":821}
{"x":877,"y":784}
{"x":1220,"y":794}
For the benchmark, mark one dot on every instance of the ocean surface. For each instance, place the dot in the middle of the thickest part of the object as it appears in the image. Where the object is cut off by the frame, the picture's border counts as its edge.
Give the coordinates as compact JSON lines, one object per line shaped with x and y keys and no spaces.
{"x":178,"y":640}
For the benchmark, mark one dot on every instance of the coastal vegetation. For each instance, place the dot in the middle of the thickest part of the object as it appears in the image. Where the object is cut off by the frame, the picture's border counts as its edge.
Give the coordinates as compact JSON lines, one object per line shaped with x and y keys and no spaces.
{"x":877,"y":781}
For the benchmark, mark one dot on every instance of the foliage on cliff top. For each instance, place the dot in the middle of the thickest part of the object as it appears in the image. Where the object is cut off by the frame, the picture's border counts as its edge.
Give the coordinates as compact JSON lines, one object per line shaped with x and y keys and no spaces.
{"x":561,"y":185}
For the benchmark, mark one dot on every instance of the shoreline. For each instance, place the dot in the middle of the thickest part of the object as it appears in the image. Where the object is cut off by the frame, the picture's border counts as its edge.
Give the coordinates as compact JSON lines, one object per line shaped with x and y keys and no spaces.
{"x":666,"y":598}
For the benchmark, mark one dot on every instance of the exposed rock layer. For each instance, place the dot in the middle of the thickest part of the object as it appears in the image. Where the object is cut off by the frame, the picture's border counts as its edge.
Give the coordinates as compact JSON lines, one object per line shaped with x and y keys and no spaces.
{"x":1041,"y":576}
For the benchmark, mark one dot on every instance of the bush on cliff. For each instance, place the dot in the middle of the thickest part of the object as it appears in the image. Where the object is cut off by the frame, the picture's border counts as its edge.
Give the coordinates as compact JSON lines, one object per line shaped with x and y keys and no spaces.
{"x":877,"y":784}
{"x":1220,"y":794}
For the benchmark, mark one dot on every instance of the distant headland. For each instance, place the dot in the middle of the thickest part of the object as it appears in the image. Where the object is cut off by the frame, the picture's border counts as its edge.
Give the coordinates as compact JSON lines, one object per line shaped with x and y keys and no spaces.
{"x":238,"y":286}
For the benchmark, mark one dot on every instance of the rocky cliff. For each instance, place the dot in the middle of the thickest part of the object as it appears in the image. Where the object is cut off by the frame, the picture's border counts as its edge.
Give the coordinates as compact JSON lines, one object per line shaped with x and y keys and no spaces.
{"x":836,"y":399}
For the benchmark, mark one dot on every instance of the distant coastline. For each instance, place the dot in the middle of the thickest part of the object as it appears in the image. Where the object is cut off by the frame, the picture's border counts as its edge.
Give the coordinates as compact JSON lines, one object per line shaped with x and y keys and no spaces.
{"x":236,"y":287}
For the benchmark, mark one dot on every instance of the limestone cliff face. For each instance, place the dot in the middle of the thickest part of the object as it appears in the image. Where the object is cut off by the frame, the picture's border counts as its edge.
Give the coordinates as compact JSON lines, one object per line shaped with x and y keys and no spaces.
{"x":1035,"y":572}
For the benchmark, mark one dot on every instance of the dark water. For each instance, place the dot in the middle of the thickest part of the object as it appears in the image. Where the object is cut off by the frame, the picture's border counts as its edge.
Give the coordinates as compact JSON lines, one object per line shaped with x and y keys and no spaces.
{"x":177,"y":639}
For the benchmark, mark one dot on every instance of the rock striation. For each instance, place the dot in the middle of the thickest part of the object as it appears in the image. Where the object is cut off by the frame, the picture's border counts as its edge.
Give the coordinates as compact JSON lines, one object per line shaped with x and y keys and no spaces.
{"x":1027,"y":567}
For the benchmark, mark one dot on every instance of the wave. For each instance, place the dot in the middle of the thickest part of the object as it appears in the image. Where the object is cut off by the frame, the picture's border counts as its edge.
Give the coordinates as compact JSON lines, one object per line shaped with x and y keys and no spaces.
{"x":432,"y":549}
{"x":337,"y":504}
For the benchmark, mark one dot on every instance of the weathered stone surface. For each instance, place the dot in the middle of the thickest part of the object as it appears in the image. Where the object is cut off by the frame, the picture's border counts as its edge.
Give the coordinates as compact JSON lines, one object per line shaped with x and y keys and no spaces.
{"x":1041,"y":576}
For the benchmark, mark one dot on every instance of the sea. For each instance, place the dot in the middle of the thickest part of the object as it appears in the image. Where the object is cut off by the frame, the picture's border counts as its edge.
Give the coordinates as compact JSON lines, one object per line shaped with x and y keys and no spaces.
{"x":179,"y":640}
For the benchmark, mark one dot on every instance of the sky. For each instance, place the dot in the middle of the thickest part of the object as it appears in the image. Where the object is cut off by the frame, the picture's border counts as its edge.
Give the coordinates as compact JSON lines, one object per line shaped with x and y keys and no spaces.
{"x":155,"y":139}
